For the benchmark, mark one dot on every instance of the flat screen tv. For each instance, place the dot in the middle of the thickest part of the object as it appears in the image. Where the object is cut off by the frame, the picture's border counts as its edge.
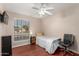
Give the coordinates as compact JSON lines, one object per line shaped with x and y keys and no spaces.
{"x":4,"y":18}
{"x":0,"y":17}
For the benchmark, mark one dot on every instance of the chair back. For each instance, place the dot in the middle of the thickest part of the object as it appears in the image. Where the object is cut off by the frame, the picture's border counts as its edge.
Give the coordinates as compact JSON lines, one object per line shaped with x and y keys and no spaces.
{"x":68,"y":39}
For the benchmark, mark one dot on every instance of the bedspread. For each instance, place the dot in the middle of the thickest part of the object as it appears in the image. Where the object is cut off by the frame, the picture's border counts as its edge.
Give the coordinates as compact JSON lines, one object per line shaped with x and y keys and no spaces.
{"x":49,"y":43}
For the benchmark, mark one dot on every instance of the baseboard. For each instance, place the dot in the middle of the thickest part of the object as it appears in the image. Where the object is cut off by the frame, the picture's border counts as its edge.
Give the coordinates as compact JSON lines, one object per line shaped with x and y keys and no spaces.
{"x":27,"y":43}
{"x":73,"y":51}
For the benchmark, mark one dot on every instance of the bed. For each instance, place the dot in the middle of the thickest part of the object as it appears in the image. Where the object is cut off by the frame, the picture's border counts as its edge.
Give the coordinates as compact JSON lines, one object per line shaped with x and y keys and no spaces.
{"x":49,"y":43}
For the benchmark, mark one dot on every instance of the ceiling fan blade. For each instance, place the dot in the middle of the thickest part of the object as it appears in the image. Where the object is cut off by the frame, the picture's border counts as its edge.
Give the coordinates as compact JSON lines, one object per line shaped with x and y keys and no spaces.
{"x":48,"y":13}
{"x":50,"y":8}
{"x":35,"y":8}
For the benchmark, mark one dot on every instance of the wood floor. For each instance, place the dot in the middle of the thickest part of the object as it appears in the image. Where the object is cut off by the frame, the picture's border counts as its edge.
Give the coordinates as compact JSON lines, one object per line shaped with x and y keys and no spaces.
{"x":34,"y":50}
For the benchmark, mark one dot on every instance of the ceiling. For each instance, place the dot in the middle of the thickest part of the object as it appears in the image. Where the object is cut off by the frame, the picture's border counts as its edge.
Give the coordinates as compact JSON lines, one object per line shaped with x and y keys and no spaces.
{"x":26,"y":8}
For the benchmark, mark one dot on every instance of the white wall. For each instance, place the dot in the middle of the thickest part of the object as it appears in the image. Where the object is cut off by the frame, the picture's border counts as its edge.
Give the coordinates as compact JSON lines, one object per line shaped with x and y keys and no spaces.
{"x":65,"y":21}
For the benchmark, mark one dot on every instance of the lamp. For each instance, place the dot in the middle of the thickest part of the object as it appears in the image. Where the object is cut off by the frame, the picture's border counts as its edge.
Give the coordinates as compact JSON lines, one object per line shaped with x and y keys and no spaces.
{"x":31,"y":33}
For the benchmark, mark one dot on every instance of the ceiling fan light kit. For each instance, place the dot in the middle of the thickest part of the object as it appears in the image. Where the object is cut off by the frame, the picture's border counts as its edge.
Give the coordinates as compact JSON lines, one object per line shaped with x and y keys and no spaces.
{"x":43,"y":10}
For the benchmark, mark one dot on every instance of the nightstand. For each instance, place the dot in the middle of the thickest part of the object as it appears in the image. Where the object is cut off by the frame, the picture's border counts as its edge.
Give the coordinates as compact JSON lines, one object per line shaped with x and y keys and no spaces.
{"x":33,"y":40}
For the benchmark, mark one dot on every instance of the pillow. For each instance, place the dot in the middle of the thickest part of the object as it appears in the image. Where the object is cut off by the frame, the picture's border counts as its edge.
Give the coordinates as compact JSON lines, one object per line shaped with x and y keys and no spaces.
{"x":39,"y":34}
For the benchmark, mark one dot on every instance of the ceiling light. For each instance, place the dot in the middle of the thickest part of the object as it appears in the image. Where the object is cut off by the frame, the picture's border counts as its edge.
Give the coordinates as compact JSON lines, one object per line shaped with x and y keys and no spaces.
{"x":43,"y":9}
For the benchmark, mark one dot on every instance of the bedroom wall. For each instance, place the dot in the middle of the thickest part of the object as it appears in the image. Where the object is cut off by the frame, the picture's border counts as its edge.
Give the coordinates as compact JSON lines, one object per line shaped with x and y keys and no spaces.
{"x":64,"y":21}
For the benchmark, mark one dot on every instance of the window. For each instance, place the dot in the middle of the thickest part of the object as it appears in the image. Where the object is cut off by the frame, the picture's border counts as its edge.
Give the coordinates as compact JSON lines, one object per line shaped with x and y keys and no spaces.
{"x":21,"y":30}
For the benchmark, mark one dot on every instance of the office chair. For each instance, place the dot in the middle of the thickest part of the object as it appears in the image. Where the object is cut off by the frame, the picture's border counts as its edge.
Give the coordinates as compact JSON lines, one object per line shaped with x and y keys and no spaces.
{"x":67,"y":42}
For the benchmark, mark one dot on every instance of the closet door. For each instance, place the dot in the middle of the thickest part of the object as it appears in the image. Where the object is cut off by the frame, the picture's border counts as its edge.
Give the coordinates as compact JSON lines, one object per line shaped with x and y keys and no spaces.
{"x":6,"y":46}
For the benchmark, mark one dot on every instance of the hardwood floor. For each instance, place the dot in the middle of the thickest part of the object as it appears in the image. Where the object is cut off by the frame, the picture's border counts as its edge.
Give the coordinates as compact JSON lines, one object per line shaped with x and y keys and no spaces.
{"x":34,"y":50}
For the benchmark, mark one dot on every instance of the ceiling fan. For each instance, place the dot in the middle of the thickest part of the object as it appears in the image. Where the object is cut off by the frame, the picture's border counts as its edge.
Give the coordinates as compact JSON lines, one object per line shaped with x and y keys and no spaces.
{"x":43,"y":9}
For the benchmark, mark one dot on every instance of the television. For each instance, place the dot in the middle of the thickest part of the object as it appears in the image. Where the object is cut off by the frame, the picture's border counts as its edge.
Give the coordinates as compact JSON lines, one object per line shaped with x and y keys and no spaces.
{"x":0,"y":17}
{"x":4,"y":17}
